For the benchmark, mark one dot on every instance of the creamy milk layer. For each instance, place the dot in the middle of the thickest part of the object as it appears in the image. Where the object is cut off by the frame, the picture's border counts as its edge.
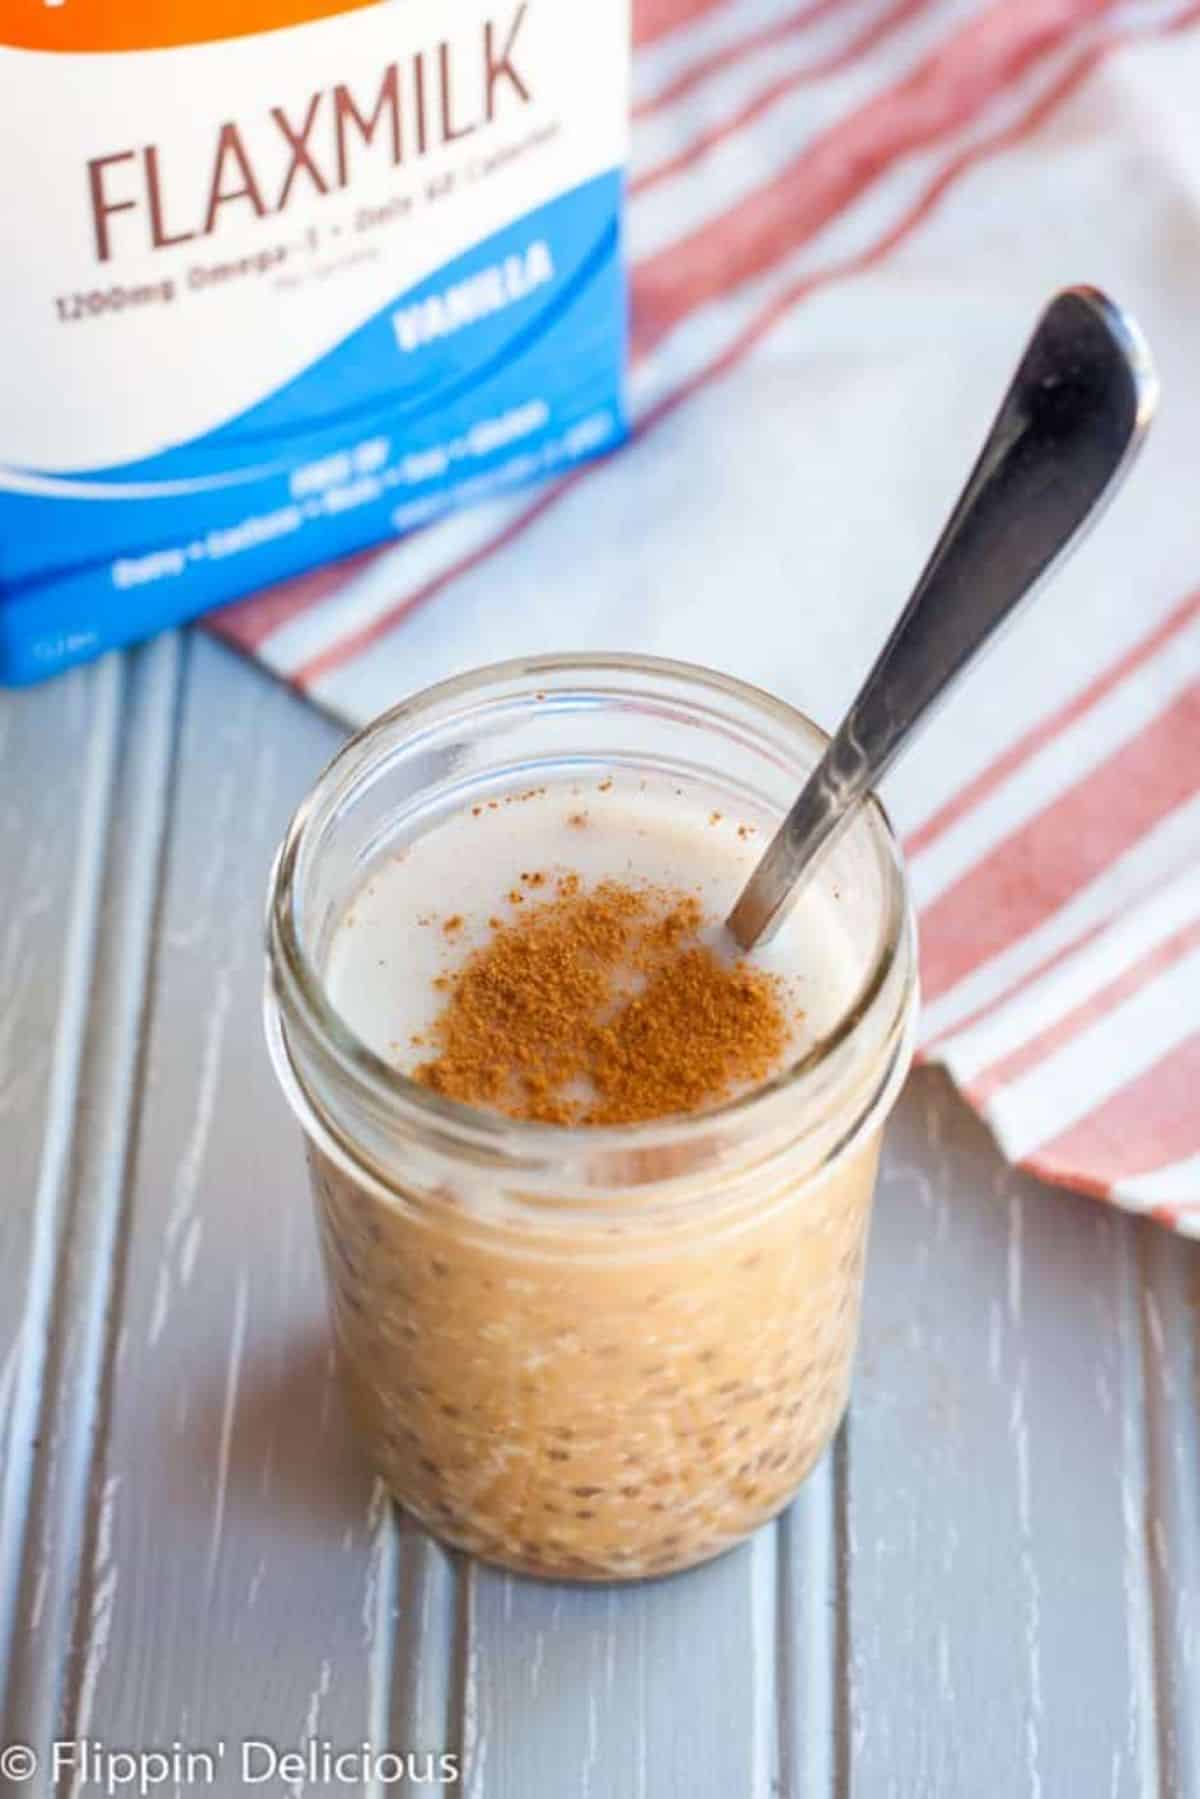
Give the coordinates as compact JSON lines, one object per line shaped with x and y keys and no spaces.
{"x":393,"y":942}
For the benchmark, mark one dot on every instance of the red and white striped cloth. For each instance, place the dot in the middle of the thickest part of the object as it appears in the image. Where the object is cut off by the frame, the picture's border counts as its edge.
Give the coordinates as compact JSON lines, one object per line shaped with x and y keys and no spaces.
{"x":844,"y":217}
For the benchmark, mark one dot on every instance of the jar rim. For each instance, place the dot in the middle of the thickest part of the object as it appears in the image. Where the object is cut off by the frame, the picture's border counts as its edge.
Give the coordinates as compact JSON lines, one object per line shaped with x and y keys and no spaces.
{"x":298,"y":990}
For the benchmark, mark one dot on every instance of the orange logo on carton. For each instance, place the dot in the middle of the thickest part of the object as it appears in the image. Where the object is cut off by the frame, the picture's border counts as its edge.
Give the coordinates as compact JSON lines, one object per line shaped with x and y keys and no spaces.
{"x":153,"y":24}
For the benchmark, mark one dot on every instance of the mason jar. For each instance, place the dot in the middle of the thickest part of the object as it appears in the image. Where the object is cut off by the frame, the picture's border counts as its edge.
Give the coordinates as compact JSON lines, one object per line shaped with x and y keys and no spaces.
{"x":587,"y":1353}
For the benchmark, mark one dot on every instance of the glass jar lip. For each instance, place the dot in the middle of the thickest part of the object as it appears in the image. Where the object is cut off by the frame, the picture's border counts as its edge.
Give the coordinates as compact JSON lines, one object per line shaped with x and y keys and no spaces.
{"x":294,"y":979}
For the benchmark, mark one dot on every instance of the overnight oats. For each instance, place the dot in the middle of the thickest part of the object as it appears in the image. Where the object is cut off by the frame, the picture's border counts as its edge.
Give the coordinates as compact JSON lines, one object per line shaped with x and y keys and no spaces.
{"x":593,"y":1187}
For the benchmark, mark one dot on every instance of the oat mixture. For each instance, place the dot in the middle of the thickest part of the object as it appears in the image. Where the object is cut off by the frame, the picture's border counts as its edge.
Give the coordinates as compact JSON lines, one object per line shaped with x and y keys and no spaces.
{"x":636,"y":1404}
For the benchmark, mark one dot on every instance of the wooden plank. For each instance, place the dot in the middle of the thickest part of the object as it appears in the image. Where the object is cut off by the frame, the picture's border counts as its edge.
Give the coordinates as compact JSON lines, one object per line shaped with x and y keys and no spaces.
{"x":418,"y":1709}
{"x":624,"y":1693}
{"x":1169,"y":1285}
{"x":809,"y":1638}
{"x":992,"y":1587}
{"x":242,"y":1572}
{"x":58,"y":751}
{"x":999,"y":1630}
{"x":101,"y":1129}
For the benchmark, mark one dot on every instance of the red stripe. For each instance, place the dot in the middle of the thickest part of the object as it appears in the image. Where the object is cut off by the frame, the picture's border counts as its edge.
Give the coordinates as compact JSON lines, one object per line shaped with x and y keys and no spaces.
{"x":858,"y":46}
{"x":654,"y":19}
{"x":804,"y":286}
{"x":1174,"y":1215}
{"x":1148,"y":1125}
{"x":1029,"y":876}
{"x":1040,"y":968}
{"x":247,"y":623}
{"x":992,"y":777}
{"x":941,"y":95}
{"x":748,"y":339}
{"x":1061,"y":954}
{"x":707,"y":66}
{"x":1164,"y":955}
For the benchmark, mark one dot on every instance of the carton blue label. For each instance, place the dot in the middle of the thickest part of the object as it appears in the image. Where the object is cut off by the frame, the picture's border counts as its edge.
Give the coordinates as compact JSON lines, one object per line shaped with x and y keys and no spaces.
{"x":501,"y":368}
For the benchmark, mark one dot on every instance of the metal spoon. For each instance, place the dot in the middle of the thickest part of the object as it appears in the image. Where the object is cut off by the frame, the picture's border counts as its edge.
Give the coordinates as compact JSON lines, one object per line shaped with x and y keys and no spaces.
{"x":1067,"y":431}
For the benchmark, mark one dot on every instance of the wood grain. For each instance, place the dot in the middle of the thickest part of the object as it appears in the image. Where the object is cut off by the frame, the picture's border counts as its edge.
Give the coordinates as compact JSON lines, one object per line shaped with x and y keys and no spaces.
{"x":58,"y":751}
{"x":991,"y":1587}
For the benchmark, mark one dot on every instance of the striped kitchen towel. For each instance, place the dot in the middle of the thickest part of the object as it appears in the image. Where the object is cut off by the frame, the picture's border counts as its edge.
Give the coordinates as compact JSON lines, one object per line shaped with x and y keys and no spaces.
{"x":844,"y":217}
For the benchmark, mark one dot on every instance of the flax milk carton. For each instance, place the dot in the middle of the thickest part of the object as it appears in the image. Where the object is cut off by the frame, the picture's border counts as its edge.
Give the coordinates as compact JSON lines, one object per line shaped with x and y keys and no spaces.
{"x":285,"y":278}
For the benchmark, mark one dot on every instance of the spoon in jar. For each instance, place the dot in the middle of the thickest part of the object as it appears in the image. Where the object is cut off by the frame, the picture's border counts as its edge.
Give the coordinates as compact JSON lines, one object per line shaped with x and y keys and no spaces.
{"x":1067,"y":430}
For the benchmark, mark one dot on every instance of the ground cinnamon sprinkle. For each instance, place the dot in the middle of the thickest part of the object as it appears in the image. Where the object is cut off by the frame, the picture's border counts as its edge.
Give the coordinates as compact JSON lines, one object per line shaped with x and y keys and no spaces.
{"x":601,"y":1006}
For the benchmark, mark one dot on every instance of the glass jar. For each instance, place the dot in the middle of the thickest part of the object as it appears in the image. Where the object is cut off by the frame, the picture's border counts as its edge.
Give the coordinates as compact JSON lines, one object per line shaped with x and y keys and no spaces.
{"x":589,"y":1353}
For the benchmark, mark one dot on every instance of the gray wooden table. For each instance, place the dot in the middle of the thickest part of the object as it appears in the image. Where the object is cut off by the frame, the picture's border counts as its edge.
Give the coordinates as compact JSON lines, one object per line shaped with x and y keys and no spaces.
{"x":990,"y":1588}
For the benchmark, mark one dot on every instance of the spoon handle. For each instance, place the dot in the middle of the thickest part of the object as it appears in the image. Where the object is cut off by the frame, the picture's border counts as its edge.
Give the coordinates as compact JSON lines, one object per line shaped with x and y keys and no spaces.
{"x":1068,"y":427}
